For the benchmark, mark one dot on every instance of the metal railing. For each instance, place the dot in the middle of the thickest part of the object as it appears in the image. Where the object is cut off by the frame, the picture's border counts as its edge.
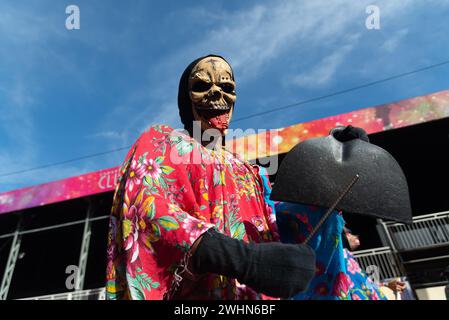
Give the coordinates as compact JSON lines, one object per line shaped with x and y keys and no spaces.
{"x":425,"y":231}
{"x":383,"y":258}
{"x":92,"y":294}
{"x":15,"y":248}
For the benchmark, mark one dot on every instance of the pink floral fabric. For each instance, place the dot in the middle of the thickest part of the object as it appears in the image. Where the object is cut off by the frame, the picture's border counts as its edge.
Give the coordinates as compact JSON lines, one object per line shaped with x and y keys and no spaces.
{"x":171,"y":190}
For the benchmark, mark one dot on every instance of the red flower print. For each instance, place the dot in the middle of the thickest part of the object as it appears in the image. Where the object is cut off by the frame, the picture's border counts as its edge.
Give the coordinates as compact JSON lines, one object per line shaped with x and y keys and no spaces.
{"x":134,"y":176}
{"x":137,"y":228}
{"x":149,"y":167}
{"x":352,"y":266}
{"x":194,"y":227}
{"x":258,"y":222}
{"x":342,"y":285}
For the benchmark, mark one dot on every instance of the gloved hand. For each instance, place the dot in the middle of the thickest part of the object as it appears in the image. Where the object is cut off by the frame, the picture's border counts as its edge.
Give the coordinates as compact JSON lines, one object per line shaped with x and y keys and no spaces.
{"x":347,"y":133}
{"x":273,"y":268}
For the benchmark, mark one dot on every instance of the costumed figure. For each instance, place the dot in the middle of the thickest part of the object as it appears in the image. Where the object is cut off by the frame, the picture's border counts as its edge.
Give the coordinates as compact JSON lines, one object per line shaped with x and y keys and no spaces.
{"x":317,"y":181}
{"x":192,"y":221}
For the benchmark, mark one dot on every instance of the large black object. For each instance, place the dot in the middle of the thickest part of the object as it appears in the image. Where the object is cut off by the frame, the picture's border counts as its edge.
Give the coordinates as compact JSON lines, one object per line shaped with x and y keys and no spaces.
{"x":316,"y":171}
{"x":274,"y":268}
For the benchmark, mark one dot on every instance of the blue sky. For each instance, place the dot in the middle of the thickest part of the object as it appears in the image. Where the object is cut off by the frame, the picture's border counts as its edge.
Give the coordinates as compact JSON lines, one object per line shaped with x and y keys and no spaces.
{"x":66,"y":94}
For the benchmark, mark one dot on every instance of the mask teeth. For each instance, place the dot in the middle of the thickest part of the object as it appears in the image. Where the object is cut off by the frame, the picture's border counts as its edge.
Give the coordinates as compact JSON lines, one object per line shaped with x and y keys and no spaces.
{"x":220,"y":107}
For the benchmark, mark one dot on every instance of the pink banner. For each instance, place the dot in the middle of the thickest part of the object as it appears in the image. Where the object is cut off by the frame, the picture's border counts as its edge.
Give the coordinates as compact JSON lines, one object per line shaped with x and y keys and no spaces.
{"x":61,"y":190}
{"x":375,"y":119}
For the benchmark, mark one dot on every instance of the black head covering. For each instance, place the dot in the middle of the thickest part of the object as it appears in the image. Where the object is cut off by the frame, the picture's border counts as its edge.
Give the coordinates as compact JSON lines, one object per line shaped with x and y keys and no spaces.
{"x":184,"y":102}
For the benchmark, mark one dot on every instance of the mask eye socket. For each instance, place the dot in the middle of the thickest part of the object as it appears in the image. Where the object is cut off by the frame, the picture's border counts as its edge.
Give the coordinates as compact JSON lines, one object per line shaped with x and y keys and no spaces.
{"x":201,"y":86}
{"x":227,"y":87}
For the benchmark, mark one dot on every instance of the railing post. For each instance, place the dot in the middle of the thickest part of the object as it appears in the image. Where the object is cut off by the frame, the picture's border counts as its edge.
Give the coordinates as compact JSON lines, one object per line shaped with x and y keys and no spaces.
{"x":396,"y":256}
{"x":387,"y":234}
{"x":12,"y":259}
{"x":84,"y":253}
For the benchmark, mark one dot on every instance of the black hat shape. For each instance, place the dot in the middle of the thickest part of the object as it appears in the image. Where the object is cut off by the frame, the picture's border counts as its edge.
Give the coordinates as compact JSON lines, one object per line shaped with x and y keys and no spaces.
{"x":316,"y":171}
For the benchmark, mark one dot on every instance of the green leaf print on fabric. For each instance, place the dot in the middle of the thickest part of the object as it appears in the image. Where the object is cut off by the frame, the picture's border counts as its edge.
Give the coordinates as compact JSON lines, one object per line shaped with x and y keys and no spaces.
{"x":168,"y":223}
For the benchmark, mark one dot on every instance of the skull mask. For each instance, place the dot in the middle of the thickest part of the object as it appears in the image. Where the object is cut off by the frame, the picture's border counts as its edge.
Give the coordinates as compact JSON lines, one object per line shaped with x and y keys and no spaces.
{"x":212,"y":92}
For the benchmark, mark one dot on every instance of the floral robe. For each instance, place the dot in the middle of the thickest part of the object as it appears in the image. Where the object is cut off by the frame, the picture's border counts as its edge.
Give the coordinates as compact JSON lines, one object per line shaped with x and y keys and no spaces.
{"x":171,"y":190}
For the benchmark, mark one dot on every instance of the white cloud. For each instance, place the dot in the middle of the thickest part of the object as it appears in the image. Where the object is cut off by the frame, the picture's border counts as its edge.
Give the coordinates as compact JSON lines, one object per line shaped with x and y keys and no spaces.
{"x":323,"y":72}
{"x":255,"y":38}
{"x":392,"y":43}
{"x":251,"y":38}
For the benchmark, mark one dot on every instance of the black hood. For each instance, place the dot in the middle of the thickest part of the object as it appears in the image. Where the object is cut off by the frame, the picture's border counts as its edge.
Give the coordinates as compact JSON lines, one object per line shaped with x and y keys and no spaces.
{"x":184,"y":102}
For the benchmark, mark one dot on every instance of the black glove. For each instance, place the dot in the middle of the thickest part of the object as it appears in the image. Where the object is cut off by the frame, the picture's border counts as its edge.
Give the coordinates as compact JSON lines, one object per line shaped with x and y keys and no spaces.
{"x":273,"y":268}
{"x":347,"y":133}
